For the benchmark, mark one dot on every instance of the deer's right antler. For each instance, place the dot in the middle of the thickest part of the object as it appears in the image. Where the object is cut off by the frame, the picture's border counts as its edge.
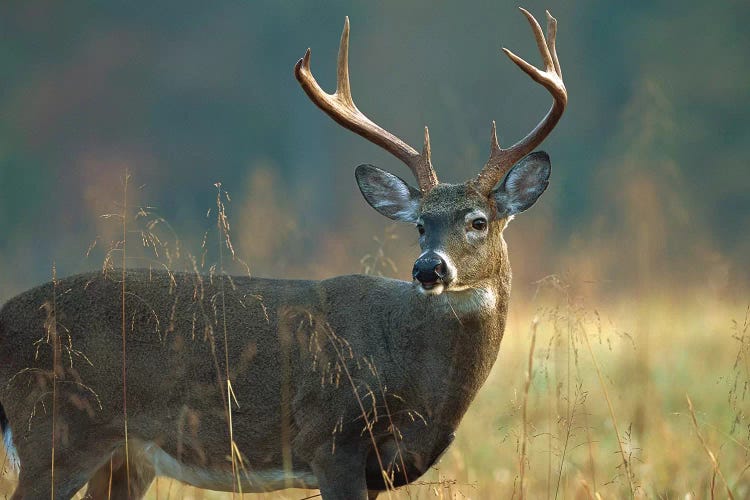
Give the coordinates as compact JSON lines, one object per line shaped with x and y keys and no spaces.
{"x":501,"y":160}
{"x":340,"y":106}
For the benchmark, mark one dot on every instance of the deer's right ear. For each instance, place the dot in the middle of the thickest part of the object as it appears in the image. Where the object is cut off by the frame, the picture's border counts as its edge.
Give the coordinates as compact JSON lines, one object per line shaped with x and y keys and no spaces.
{"x":388,"y":194}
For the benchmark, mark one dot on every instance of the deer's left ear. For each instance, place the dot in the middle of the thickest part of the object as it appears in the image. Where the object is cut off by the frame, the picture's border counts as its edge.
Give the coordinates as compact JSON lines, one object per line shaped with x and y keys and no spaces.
{"x":525,"y":182}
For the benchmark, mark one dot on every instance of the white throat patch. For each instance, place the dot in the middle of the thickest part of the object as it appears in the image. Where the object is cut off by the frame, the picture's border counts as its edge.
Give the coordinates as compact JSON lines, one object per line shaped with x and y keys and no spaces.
{"x":469,"y":300}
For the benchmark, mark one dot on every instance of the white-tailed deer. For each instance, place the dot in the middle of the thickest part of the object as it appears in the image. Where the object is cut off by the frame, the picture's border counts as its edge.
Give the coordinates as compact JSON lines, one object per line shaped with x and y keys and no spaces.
{"x":352,"y":385}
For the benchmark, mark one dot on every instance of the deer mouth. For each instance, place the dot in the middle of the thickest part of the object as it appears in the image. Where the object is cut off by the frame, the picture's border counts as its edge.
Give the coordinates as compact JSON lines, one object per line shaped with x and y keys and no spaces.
{"x":434,"y":287}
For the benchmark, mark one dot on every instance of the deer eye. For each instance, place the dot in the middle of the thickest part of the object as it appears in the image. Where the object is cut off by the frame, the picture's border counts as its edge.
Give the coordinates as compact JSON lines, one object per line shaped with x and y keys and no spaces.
{"x":479,"y":224}
{"x":420,"y":228}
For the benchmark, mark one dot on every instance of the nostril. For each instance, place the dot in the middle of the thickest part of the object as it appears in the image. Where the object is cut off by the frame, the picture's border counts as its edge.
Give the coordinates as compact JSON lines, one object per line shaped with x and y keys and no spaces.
{"x":440,"y":269}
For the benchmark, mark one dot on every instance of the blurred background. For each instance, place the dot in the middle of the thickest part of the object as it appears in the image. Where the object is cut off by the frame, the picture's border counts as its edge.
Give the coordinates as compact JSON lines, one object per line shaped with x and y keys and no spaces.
{"x":646,"y":220}
{"x":650,"y":179}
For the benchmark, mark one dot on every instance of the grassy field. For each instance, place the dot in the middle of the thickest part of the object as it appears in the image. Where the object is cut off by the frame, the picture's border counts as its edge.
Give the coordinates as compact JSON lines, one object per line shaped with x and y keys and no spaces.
{"x":645,"y":393}
{"x":597,"y":370}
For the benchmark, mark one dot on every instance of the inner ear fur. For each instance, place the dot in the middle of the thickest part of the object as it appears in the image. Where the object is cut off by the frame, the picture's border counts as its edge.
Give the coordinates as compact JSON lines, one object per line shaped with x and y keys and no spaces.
{"x":523,"y":185}
{"x":389,"y":194}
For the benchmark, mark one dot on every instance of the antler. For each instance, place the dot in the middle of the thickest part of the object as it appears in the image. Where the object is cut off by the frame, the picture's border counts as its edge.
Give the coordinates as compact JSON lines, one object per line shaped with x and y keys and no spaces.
{"x":340,"y":106}
{"x":501,"y":160}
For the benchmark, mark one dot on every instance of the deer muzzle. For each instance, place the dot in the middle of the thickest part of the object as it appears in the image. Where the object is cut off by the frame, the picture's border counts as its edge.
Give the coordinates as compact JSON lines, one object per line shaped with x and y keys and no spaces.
{"x":430,"y":270}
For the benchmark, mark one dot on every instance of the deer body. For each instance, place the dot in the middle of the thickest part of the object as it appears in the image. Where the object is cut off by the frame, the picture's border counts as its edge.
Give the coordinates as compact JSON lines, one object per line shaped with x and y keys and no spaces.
{"x":352,"y":385}
{"x":176,"y":410}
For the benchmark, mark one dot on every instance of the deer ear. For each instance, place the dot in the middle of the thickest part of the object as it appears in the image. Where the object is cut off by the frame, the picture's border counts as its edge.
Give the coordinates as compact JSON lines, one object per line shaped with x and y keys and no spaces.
{"x":525,"y":182}
{"x":388,"y":194}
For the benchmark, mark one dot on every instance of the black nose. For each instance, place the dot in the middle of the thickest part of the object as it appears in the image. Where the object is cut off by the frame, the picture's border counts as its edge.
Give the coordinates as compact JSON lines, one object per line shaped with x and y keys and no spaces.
{"x":428,"y":269}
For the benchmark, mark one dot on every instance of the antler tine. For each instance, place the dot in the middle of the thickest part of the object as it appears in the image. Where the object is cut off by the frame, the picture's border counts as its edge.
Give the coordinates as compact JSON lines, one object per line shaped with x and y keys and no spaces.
{"x":551,"y":36}
{"x":343,"y":88}
{"x":340,"y":106}
{"x":541,"y":41}
{"x":501,"y":160}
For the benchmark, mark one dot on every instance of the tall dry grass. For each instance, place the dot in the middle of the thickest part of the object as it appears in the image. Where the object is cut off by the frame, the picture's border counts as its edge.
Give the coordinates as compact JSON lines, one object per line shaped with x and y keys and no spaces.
{"x":701,"y":352}
{"x":587,"y":398}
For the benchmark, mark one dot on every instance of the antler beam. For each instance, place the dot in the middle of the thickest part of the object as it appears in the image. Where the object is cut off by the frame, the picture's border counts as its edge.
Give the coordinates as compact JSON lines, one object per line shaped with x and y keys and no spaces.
{"x":501,"y":160}
{"x":340,"y":106}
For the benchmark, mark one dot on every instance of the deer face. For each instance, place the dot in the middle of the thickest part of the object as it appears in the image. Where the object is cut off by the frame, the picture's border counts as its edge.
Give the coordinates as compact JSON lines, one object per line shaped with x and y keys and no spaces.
{"x":459,"y":228}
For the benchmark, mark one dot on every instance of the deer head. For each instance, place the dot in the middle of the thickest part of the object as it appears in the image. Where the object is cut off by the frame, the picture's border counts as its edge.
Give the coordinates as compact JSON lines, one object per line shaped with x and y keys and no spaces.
{"x":460,"y":225}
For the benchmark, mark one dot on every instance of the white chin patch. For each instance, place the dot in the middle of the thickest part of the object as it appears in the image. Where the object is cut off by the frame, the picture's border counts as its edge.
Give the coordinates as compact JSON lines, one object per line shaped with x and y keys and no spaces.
{"x":436,"y":289}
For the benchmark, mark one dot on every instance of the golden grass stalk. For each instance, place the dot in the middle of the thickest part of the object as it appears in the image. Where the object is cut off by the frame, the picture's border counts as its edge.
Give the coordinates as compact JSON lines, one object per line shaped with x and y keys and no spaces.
{"x":624,"y":457}
{"x":222,"y":234}
{"x":524,"y":420}
{"x":124,"y":365}
{"x":711,"y":456}
{"x":590,"y":448}
{"x":55,"y":370}
{"x":109,"y":482}
{"x":330,"y":335}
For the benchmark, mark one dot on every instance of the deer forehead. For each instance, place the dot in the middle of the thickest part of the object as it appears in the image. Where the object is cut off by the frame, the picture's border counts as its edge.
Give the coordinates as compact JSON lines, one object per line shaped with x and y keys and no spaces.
{"x":453,"y":201}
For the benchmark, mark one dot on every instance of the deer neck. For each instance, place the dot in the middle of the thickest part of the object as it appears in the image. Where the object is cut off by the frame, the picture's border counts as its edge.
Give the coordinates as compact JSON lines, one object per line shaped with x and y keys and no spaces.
{"x":460,"y":343}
